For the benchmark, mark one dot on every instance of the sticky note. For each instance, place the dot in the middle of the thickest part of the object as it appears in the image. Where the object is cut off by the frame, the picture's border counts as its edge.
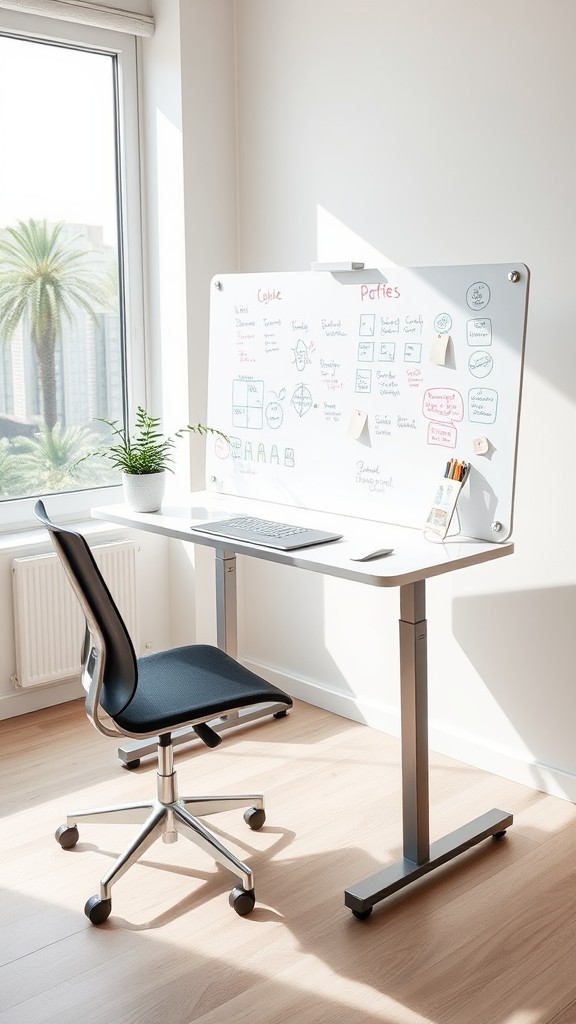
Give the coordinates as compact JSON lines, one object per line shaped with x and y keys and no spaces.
{"x":481,"y":445}
{"x":357,"y":423}
{"x":439,"y":349}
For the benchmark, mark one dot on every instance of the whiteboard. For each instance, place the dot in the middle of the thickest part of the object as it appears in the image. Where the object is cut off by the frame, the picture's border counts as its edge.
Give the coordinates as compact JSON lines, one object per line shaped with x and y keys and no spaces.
{"x":350,"y":391}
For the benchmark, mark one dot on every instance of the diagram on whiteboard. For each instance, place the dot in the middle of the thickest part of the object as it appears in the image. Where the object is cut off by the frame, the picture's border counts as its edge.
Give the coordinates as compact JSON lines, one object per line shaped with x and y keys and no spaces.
{"x":302,"y":400}
{"x":351,"y":391}
{"x":248,"y":404}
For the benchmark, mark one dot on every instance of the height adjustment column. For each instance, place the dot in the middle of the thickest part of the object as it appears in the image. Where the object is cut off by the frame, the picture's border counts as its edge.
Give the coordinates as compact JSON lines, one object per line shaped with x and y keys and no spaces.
{"x":420,"y":856}
{"x":226,"y":602}
{"x":227,"y":637}
{"x":414,"y":715}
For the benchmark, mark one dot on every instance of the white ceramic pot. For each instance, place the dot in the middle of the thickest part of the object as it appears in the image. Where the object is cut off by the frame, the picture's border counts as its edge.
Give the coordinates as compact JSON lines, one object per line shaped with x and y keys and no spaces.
{"x":144,"y":491}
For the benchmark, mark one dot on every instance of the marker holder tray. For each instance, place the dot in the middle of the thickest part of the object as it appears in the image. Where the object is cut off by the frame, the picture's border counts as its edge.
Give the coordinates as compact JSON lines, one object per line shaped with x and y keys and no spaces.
{"x":443,"y":508}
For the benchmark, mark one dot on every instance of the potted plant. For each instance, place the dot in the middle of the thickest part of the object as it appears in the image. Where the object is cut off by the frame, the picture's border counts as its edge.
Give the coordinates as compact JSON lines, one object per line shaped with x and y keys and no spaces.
{"x":144,"y":456}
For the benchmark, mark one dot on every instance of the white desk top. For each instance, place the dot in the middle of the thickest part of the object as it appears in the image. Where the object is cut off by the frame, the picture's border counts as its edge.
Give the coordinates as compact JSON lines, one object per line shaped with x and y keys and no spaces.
{"x":413,"y":558}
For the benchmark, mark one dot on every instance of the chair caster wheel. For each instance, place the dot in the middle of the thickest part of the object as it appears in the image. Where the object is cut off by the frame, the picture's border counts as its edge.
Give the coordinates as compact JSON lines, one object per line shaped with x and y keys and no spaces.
{"x":98,"y":910}
{"x":280,"y":714}
{"x":242,"y":900}
{"x":67,"y":836}
{"x":129,"y":765}
{"x":255,"y":817}
{"x":362,"y":914}
{"x":499,"y":835}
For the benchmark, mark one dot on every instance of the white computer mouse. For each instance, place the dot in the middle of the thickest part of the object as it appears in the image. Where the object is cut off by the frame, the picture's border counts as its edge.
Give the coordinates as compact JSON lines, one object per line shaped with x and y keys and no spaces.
{"x":364,"y":553}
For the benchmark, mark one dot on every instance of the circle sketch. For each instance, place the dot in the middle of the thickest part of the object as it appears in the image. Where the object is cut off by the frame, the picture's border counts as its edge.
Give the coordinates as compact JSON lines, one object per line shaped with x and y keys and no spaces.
{"x":478,"y":295}
{"x":274,"y":415}
{"x":302,"y":399}
{"x":222,"y":447}
{"x":480,"y":364}
{"x":301,"y":357}
{"x":443,"y":323}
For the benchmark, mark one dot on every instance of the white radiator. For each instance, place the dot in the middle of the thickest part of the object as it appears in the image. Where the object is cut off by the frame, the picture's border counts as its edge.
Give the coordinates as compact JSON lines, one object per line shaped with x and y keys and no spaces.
{"x":48,"y":622}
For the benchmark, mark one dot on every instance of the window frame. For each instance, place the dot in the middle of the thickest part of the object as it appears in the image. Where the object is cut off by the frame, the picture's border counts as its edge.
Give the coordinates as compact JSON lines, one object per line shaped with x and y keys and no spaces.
{"x":17,"y":513}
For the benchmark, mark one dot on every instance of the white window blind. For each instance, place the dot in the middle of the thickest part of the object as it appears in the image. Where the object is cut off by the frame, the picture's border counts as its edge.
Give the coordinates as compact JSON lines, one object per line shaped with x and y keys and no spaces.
{"x":85,"y":14}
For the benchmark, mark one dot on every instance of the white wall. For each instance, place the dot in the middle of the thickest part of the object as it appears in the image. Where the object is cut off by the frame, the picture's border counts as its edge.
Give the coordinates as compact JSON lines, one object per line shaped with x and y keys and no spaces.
{"x":417,"y":134}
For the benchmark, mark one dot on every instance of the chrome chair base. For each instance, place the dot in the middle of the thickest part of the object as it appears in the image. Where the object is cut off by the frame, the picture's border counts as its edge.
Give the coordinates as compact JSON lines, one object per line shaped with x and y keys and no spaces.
{"x":168,"y":817}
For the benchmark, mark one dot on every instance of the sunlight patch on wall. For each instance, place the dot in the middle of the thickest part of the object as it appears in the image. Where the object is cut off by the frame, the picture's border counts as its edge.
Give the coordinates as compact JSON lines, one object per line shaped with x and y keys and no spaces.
{"x":169,"y":377}
{"x":336,"y":241}
{"x":170,"y":226}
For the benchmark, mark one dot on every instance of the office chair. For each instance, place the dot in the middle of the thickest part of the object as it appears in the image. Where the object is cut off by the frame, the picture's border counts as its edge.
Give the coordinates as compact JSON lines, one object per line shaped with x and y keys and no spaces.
{"x":148,"y":697}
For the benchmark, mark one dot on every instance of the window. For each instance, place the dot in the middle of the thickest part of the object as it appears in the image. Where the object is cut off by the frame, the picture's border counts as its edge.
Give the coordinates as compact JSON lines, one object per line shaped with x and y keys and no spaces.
{"x":70,"y":275}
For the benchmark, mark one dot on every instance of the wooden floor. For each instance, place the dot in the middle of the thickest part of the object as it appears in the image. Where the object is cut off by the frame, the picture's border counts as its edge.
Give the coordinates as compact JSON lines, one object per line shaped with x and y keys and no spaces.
{"x":489,"y":939}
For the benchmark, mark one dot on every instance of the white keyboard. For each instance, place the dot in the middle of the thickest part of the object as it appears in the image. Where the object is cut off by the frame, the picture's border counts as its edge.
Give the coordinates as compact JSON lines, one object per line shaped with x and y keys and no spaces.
{"x":267,"y":532}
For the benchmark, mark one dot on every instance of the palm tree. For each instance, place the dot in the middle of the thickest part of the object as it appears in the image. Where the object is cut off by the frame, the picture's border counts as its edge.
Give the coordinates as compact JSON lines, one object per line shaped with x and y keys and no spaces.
{"x":47,"y":278}
{"x":51,"y":460}
{"x":8,"y":480}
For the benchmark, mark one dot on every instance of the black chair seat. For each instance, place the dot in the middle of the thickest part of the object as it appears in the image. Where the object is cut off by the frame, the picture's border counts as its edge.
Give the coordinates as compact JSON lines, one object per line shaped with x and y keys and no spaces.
{"x":187,"y":683}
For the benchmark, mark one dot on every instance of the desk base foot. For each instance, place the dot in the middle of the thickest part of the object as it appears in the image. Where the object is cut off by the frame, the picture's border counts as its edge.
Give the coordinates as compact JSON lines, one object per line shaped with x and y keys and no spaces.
{"x":130,"y":753}
{"x":360,"y":898}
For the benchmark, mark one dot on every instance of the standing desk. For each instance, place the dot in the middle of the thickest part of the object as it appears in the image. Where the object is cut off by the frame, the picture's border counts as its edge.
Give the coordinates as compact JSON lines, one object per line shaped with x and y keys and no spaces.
{"x":413,"y":561}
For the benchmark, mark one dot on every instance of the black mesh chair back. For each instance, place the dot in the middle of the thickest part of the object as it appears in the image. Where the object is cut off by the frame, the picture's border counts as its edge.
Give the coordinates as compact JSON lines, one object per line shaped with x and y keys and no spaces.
{"x":104,"y":623}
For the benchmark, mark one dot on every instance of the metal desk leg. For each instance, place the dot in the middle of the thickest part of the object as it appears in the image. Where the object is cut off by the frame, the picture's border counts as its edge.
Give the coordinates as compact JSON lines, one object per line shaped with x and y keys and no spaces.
{"x":226,"y":602}
{"x":414,"y":719}
{"x":227,"y":636}
{"x":419,"y":857}
{"x":227,"y":640}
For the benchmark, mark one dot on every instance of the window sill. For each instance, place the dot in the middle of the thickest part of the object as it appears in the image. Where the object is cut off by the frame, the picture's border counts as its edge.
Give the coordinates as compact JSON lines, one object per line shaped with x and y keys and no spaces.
{"x":25,"y":540}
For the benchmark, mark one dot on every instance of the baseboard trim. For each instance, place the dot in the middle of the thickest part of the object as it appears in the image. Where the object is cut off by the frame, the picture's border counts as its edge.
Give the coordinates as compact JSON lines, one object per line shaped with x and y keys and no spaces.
{"x":22,"y":701}
{"x":459,"y":746}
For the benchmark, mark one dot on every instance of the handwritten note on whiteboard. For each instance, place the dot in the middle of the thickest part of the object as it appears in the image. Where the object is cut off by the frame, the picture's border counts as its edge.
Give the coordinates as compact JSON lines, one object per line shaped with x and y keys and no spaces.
{"x":296,"y":358}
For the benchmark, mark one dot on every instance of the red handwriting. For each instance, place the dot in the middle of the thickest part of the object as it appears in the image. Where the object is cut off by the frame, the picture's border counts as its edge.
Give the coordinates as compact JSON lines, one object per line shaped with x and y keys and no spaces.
{"x":274,"y":295}
{"x":381,"y":291}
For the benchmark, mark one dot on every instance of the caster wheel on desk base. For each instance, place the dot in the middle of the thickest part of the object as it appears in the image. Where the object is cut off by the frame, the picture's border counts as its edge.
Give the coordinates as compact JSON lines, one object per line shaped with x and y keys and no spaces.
{"x":362,"y":914}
